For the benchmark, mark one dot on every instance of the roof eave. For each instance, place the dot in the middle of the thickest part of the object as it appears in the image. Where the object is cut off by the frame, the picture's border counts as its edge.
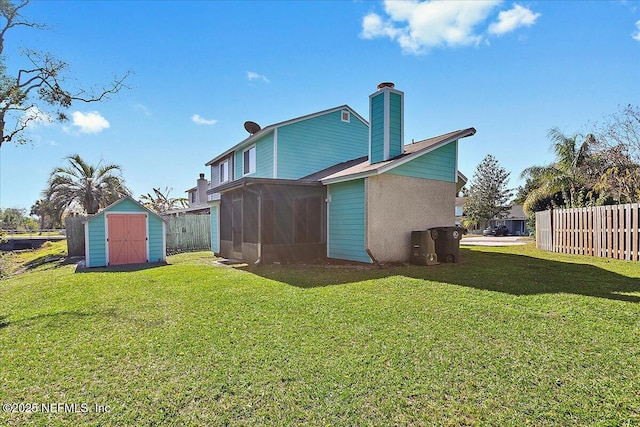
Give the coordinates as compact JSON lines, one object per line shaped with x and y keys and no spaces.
{"x":454,"y":137}
{"x":269,"y":128}
{"x":246,"y":181}
{"x":351,"y":177}
{"x":251,"y":138}
{"x":117,"y":202}
{"x":389,"y":165}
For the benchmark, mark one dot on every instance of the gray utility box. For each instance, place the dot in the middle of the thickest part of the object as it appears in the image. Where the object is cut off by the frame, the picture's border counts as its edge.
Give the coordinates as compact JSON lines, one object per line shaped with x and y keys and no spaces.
{"x":423,"y":248}
{"x":447,"y":241}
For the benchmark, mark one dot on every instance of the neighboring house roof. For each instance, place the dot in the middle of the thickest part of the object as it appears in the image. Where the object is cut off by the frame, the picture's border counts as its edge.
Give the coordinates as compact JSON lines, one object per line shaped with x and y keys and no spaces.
{"x":361,"y":168}
{"x":187,"y":210}
{"x":462,"y":178}
{"x":516,"y":212}
{"x":264,"y":131}
{"x":196,"y":188}
{"x":116,"y":203}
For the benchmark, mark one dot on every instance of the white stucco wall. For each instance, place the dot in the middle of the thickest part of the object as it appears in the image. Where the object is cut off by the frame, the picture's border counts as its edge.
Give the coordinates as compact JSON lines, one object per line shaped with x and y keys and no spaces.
{"x":397,"y":205}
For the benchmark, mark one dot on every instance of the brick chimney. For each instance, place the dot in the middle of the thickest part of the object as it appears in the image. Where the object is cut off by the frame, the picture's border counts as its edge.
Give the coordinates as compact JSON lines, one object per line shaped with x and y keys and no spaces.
{"x":201,"y":192}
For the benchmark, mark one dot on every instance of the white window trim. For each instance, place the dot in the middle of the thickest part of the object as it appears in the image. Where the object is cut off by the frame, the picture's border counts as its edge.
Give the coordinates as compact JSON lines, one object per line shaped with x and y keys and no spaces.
{"x":220,"y":171}
{"x":342,"y":112}
{"x":252,"y":147}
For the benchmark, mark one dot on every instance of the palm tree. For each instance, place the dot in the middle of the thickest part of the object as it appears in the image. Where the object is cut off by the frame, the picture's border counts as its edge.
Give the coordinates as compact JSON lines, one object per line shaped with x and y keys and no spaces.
{"x":91,"y":187}
{"x":569,"y":174}
{"x":48,"y":214}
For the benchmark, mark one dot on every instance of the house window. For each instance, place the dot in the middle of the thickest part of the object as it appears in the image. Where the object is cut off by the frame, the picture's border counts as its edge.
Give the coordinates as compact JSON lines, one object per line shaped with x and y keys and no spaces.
{"x":224,"y":171}
{"x":193,"y":197}
{"x":249,"y":160}
{"x":345,"y":116}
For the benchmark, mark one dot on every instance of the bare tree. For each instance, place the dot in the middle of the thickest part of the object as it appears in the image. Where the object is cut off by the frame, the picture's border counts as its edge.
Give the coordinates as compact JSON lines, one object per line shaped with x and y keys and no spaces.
{"x":618,"y":141}
{"x":161,"y":201}
{"x":42,"y":90}
{"x":621,"y":130}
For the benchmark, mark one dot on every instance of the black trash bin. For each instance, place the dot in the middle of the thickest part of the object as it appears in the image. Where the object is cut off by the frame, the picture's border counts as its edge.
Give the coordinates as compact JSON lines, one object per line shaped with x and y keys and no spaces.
{"x":447,"y":241}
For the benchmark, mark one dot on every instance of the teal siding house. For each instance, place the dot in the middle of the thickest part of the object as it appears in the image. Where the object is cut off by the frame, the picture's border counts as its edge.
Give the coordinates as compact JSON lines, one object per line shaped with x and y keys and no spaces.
{"x":333,"y":185}
{"x":125,"y":232}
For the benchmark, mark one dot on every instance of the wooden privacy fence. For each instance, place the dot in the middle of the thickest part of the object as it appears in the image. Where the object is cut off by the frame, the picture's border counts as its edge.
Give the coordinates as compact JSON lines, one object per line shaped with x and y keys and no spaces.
{"x":188,"y":233}
{"x":602,"y":231}
{"x":74,"y":229}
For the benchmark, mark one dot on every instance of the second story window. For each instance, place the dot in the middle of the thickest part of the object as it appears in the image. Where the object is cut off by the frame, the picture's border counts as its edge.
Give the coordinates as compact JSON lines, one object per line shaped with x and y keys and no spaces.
{"x":345,"y":116}
{"x":249,"y":160}
{"x":224,"y":171}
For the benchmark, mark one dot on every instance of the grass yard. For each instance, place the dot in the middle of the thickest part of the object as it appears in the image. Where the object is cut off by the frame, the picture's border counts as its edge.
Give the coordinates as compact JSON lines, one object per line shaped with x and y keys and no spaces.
{"x":510,"y":336}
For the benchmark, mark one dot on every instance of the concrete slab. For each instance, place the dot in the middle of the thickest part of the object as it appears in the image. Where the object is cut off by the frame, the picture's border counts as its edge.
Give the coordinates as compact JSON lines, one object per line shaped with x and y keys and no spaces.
{"x":494,"y":241}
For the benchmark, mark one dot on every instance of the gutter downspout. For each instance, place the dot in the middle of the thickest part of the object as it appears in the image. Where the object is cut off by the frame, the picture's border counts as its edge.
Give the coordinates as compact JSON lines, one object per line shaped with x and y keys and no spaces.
{"x":375,"y":261}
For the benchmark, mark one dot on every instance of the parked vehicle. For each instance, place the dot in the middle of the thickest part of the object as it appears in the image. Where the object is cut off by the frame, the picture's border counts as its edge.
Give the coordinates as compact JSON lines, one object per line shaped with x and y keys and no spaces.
{"x":500,"y":230}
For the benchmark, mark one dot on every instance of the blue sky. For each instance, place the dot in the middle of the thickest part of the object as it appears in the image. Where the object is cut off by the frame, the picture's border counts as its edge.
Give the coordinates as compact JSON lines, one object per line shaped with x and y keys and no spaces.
{"x":512,"y":70}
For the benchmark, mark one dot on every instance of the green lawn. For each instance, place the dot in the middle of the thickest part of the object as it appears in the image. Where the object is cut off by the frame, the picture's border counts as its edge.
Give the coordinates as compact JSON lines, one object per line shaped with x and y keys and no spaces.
{"x":510,"y":336}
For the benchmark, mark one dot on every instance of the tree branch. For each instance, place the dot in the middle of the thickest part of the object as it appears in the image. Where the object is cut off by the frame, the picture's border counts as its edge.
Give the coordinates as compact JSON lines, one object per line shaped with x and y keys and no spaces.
{"x":44,"y":83}
{"x":10,"y":13}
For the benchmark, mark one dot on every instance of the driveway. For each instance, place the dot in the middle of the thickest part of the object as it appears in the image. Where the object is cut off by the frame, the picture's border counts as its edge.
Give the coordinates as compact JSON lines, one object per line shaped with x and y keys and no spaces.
{"x":494,"y":241}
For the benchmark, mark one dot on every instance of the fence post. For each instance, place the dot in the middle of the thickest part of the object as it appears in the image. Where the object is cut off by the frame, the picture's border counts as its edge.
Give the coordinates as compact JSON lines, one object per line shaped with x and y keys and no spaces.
{"x":634,"y":227}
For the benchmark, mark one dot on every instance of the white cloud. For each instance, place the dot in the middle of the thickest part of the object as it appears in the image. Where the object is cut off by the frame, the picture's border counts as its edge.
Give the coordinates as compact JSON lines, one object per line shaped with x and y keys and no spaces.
{"x":636,"y":35}
{"x":418,"y":26}
{"x":251,"y":75}
{"x":202,"y":121}
{"x":510,"y":20}
{"x":140,"y":108}
{"x":33,"y":117}
{"x":91,"y":122}
{"x":373,"y":26}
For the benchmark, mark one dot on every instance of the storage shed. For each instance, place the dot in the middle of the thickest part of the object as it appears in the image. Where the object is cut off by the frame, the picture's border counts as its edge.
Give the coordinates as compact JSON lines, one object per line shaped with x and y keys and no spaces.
{"x":125,"y":232}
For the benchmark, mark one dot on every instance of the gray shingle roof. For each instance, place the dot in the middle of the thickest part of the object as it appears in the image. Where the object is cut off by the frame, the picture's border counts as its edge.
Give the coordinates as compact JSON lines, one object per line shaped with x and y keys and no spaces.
{"x":358,"y":168}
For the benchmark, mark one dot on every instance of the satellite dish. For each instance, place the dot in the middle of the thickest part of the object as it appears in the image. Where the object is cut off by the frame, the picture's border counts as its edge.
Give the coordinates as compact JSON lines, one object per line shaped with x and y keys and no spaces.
{"x":251,"y":127}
